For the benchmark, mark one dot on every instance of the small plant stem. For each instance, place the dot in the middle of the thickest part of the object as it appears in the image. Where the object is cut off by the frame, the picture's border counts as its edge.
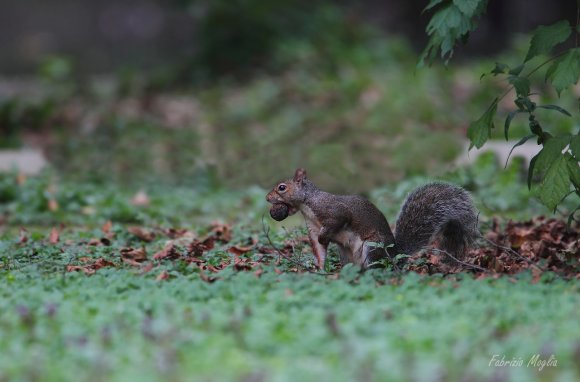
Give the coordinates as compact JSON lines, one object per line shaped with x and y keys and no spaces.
{"x":528,"y":75}
{"x":477,"y":267}
{"x":266,"y":231}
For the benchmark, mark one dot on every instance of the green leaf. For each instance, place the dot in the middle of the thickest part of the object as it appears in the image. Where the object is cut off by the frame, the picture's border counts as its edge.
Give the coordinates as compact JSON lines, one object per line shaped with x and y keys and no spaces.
{"x":444,"y":20}
{"x":480,"y":130}
{"x":374,"y":244}
{"x":551,"y":70}
{"x":517,"y":70}
{"x":575,"y":146}
{"x":551,"y":150}
{"x":467,"y":7}
{"x":555,"y":185}
{"x":555,"y":107}
{"x":521,"y":84}
{"x":520,"y":142}
{"x":448,"y":25}
{"x":508,"y":121}
{"x":432,"y":4}
{"x":574,"y":170}
{"x":444,"y":28}
{"x":531,"y":169}
{"x":499,"y":68}
{"x":546,"y":37}
{"x":565,"y":71}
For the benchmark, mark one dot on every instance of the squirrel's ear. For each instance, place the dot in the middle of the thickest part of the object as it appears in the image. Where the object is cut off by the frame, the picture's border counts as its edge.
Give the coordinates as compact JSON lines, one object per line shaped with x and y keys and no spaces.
{"x":299,"y":175}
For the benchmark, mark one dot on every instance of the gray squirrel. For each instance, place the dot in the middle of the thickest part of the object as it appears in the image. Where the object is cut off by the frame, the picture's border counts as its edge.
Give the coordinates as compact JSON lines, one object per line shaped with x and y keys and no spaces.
{"x":436,"y":213}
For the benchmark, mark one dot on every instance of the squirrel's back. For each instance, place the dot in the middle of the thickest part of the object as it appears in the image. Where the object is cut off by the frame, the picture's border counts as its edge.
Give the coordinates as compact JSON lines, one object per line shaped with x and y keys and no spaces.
{"x":439,"y":212}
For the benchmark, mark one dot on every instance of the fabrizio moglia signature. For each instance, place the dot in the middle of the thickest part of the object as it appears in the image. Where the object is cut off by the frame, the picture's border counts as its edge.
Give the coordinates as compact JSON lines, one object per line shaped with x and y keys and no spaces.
{"x":535,"y":361}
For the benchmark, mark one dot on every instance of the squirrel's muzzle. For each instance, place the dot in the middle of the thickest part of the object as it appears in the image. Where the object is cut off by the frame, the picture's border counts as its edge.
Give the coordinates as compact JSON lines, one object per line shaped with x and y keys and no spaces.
{"x":280,"y":209}
{"x":273,"y":197}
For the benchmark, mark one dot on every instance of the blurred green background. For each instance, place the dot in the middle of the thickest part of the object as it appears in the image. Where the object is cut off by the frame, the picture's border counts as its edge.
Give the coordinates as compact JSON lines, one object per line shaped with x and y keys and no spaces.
{"x":213,"y":94}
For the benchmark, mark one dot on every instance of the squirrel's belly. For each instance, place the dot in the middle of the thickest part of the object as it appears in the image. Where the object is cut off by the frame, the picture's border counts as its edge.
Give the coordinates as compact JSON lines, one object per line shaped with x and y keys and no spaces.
{"x":349,"y":239}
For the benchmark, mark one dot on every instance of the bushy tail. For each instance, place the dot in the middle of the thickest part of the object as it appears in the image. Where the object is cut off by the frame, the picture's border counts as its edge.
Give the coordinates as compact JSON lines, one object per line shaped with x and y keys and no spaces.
{"x":437,"y":213}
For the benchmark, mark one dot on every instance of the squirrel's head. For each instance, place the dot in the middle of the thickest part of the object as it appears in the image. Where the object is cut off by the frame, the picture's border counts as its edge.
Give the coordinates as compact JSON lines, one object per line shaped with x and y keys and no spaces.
{"x":291,"y":192}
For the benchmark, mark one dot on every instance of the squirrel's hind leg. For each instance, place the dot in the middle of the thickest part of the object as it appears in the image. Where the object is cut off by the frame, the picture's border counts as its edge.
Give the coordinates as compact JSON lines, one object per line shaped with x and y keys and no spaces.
{"x":344,"y":254}
{"x":370,"y":255}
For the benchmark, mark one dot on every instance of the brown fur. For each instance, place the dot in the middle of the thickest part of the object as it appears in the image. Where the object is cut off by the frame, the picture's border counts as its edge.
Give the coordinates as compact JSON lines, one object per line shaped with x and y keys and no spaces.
{"x":347,"y":220}
{"x":435,"y":212}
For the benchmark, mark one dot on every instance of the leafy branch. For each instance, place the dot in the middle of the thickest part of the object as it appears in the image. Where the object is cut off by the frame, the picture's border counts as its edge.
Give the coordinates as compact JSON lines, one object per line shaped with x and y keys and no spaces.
{"x":554,"y":173}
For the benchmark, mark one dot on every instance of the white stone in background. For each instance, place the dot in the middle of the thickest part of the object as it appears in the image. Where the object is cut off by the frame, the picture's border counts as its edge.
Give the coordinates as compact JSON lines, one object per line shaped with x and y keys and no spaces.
{"x":25,"y":161}
{"x":501,"y":149}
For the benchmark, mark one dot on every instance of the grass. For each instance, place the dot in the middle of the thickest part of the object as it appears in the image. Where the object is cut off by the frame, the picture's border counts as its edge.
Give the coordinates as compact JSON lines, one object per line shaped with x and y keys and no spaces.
{"x":118,"y":325}
{"x":169,"y":321}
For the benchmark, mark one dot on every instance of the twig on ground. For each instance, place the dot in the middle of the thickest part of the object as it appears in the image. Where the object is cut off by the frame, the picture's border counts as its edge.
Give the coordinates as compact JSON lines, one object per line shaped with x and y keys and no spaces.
{"x":459,"y":261}
{"x":510,"y":251}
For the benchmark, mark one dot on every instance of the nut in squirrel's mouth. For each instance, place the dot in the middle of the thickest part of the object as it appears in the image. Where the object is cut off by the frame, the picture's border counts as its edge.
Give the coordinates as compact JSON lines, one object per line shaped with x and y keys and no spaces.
{"x":280,"y":211}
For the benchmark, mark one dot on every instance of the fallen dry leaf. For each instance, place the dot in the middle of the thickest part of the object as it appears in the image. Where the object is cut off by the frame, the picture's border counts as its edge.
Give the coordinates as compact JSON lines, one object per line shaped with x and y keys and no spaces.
{"x":22,"y":235}
{"x":94,"y":242}
{"x":221,"y":232}
{"x":85,"y":269}
{"x":240,"y":250}
{"x":54,"y":236}
{"x":537,"y":245}
{"x":97,"y":242}
{"x":131,"y":262}
{"x":133,"y":256}
{"x":206,"y":278}
{"x":168,"y":252}
{"x":107,"y":226}
{"x":197,"y":248}
{"x":162,"y":276}
{"x":435,"y":259}
{"x":141,"y":233}
{"x":174,"y":233}
{"x":243,"y":264}
{"x":147,"y":268}
{"x":90,"y":269}
{"x":211,"y":268}
{"x":519,"y":234}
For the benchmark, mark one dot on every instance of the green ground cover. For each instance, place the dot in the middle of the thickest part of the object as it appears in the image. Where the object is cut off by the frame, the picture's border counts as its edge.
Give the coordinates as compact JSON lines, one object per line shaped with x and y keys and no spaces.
{"x":172,"y":318}
{"x":120,"y":325}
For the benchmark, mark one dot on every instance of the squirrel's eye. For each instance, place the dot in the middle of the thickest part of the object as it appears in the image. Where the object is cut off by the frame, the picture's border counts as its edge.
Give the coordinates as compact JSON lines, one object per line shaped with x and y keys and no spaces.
{"x":282,"y":188}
